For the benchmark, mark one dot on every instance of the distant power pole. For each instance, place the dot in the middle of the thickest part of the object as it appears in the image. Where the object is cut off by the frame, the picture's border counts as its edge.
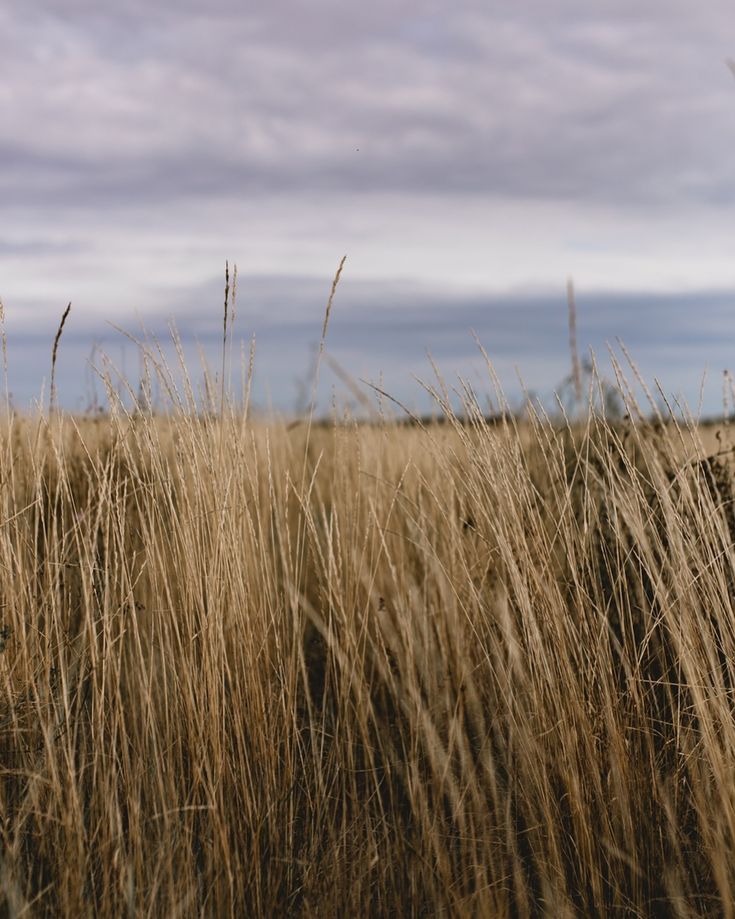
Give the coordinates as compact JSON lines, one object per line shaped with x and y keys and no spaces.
{"x":576,"y":366}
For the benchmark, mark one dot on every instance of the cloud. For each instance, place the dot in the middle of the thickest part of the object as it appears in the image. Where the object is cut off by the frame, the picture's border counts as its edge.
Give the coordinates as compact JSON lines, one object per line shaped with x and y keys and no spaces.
{"x":556,"y":101}
{"x":466,"y":156}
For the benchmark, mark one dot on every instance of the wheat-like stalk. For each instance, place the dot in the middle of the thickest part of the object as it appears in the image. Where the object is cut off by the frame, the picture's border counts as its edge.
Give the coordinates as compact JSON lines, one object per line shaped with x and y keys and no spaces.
{"x":54,"y":354}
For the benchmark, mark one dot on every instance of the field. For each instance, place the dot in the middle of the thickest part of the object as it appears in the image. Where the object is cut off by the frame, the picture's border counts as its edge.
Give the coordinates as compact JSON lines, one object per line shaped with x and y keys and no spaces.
{"x":253,"y":668}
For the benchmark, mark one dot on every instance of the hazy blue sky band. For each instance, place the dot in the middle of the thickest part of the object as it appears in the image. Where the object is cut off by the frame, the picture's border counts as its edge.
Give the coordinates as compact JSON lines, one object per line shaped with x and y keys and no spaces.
{"x":373,"y":333}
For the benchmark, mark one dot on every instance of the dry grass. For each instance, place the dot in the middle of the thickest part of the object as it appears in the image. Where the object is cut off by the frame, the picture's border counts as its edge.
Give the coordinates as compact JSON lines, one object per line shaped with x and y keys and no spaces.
{"x":364,"y":670}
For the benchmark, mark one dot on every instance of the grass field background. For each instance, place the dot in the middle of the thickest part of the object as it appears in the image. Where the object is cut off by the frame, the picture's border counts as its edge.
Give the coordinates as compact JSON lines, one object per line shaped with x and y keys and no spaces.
{"x":470,"y":668}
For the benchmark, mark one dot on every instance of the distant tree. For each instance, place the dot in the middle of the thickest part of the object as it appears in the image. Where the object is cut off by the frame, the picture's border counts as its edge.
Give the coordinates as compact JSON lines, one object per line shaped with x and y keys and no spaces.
{"x":604,"y":395}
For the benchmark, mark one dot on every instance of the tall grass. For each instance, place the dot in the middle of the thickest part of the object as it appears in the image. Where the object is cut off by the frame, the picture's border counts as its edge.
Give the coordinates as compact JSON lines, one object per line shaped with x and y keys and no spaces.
{"x":369,"y":670}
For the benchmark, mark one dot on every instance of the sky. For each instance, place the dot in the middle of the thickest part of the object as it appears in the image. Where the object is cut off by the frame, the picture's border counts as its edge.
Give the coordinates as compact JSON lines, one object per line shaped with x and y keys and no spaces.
{"x":467,"y":158}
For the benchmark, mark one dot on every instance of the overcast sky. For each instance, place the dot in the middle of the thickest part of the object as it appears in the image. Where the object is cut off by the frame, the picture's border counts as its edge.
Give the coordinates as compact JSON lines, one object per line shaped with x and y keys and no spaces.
{"x":466,"y":157}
